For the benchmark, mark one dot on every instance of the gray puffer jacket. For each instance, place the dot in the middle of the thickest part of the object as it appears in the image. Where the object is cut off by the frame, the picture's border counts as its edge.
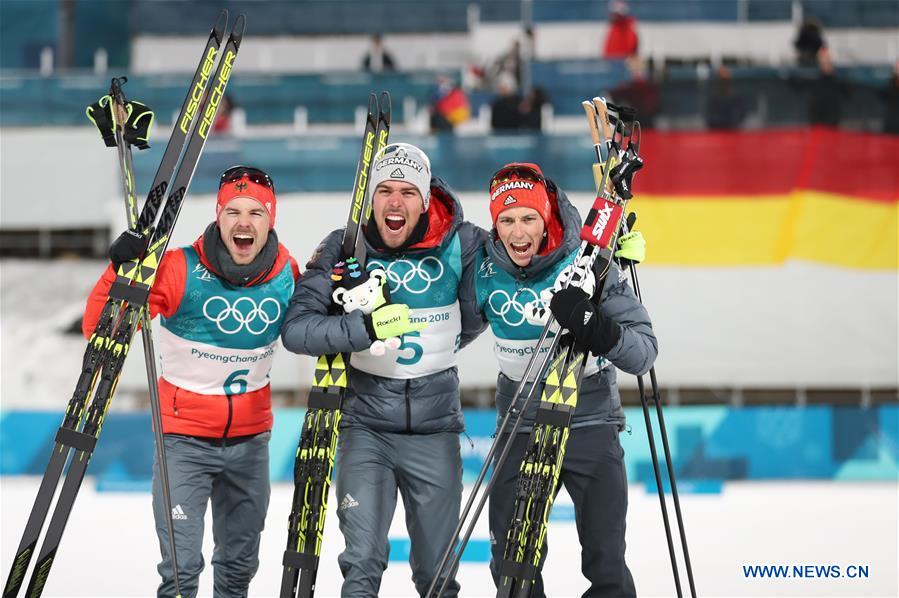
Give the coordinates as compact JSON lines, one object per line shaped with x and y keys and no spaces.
{"x":414,"y":389}
{"x":503,"y":288}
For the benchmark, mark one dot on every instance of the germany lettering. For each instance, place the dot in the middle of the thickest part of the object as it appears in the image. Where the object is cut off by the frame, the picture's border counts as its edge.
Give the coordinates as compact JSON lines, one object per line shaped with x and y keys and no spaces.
{"x":510,"y":185}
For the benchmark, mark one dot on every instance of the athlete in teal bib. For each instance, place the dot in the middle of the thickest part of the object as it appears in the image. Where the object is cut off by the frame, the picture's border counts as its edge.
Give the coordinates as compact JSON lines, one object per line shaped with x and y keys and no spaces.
{"x":221,"y":302}
{"x":402,"y":416}
{"x":519,"y":276}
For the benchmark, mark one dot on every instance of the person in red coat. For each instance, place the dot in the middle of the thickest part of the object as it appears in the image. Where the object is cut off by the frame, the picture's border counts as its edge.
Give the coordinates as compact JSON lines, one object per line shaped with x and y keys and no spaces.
{"x":621,"y":40}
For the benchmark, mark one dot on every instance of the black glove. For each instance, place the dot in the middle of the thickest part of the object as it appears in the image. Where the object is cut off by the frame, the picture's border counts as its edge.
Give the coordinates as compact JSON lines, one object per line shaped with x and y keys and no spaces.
{"x":137,"y":129}
{"x":591,"y":330}
{"x":130,"y":245}
{"x":100,"y":113}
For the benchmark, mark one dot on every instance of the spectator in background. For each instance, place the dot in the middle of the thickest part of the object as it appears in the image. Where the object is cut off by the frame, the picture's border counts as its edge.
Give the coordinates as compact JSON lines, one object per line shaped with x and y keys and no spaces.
{"x":505,"y":109}
{"x":449,"y":105}
{"x":531,"y":109}
{"x":725,"y":110}
{"x":222,"y":124}
{"x":621,"y":39}
{"x":809,"y":42}
{"x":890,"y":96}
{"x":826,"y":93}
{"x":508,"y":64}
{"x":640,"y":93}
{"x":378,"y":59}
{"x":529,"y":48}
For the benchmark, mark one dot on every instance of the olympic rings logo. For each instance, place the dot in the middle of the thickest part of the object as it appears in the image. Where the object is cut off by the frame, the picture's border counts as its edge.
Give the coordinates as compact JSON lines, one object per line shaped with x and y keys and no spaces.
{"x":409,"y":275}
{"x":244,"y":313}
{"x":510,"y":304}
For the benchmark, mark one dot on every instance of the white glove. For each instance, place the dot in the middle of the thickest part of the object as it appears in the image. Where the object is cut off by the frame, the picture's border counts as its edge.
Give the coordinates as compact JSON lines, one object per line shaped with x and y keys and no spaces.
{"x":581,"y":276}
{"x":536,"y":312}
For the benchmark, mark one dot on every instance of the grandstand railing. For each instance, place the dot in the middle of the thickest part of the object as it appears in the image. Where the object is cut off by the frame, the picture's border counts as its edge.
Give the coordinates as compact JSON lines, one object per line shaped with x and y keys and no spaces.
{"x":272,"y":99}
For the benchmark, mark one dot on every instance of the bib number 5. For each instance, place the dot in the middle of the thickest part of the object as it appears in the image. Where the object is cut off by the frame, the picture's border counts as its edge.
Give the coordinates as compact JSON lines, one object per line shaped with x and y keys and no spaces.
{"x":416,"y":348}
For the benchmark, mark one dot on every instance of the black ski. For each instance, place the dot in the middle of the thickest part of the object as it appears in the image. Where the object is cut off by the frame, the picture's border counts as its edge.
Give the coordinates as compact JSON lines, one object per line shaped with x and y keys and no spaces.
{"x":318,"y":439}
{"x":67,"y":436}
{"x":132,"y":289}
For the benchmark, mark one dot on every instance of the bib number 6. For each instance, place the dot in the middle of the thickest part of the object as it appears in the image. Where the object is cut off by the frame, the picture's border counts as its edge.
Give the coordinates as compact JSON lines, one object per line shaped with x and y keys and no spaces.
{"x":236,"y":384}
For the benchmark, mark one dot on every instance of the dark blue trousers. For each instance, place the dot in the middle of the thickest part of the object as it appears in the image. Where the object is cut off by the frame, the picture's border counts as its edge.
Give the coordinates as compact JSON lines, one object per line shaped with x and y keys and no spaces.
{"x":594,"y":475}
{"x":234,"y":478}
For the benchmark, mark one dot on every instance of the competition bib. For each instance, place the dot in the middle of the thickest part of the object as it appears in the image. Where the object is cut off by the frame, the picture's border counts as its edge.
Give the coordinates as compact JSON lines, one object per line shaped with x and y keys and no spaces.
{"x":513,"y":357}
{"x":222,"y":339}
{"x":429,"y":285}
{"x":210,"y":370}
{"x":425,"y":352}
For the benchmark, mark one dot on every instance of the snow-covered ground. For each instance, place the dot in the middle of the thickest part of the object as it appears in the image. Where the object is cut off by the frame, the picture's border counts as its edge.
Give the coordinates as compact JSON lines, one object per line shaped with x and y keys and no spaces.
{"x":110,"y":548}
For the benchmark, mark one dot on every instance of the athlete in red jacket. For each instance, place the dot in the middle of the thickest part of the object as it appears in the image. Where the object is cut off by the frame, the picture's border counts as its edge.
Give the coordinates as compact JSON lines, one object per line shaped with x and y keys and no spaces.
{"x":221,"y":302}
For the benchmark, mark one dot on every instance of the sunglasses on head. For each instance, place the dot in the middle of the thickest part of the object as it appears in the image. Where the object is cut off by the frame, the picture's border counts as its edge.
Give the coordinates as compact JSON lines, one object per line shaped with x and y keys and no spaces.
{"x":518,"y":172}
{"x":236,"y":173}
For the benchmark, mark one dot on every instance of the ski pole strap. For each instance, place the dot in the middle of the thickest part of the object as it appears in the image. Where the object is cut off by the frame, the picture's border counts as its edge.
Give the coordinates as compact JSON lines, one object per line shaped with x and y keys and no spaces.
{"x":521,"y":571}
{"x":137,"y":127}
{"x":299,"y":560}
{"x":100,"y":113}
{"x":623,"y":115}
{"x":623,"y":173}
{"x":77,"y":440}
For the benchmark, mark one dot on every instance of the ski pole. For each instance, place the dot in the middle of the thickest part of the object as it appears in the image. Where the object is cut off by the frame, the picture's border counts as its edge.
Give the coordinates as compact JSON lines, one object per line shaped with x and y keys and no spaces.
{"x":656,"y":398}
{"x":127,"y":168}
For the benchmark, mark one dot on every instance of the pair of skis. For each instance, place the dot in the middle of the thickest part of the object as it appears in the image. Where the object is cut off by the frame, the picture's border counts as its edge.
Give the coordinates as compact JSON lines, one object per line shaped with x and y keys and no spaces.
{"x":125,"y":307}
{"x":318,"y":439}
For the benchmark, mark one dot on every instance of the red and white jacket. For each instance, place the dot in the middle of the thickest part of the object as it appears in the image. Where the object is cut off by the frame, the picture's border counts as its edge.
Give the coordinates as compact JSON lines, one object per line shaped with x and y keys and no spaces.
{"x":216,"y":342}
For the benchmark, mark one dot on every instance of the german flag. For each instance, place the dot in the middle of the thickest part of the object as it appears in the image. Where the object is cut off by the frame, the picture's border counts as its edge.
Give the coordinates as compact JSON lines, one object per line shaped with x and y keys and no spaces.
{"x":764,"y":197}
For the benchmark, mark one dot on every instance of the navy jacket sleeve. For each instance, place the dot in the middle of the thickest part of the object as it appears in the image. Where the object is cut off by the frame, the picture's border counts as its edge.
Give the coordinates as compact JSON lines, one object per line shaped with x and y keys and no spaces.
{"x":308,"y":329}
{"x":637,"y":348}
{"x":471,"y":239}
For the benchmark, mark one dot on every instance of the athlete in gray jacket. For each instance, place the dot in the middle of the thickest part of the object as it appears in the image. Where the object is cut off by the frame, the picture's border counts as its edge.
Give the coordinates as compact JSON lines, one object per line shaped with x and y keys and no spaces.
{"x":402,"y":416}
{"x":536,"y":236}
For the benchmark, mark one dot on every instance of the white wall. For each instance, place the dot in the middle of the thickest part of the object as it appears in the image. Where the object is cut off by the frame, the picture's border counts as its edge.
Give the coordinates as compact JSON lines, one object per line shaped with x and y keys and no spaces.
{"x":56,"y":178}
{"x":303,"y":54}
{"x":762,"y":42}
